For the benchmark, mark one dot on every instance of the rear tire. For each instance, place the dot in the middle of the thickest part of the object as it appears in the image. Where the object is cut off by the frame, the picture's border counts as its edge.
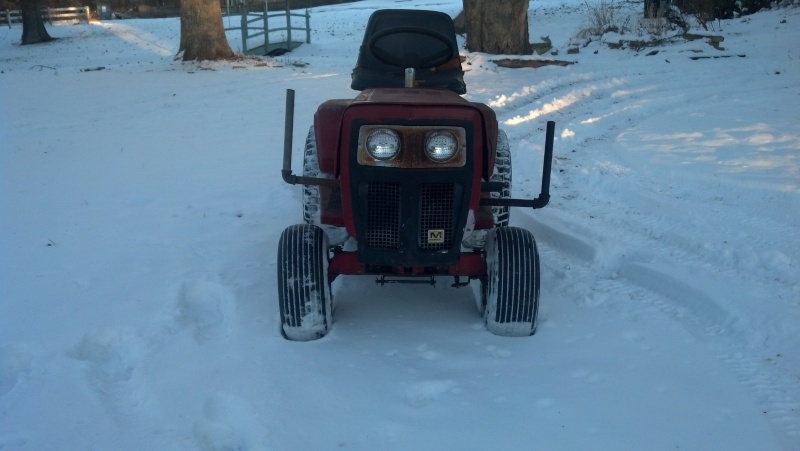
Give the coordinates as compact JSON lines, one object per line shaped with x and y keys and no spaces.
{"x":312,"y":203}
{"x":304,"y":291}
{"x":510,"y":292}
{"x":502,"y":173}
{"x":311,"y":199}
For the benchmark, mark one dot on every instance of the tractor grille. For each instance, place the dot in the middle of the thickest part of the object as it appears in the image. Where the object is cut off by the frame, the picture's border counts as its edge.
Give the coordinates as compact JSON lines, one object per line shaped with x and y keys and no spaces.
{"x":436,"y":213}
{"x":383,"y":216}
{"x":436,"y":216}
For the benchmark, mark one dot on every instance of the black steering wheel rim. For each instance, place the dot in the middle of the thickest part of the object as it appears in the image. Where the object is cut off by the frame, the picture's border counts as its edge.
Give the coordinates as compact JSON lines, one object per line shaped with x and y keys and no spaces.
{"x":434,"y":60}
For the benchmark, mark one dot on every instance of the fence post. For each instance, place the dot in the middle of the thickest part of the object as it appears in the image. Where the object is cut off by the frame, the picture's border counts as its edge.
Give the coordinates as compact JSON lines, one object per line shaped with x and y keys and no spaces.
{"x":86,"y":9}
{"x":288,"y":27}
{"x":266,"y":28}
{"x":308,"y":27}
{"x":244,"y":30}
{"x":8,"y":18}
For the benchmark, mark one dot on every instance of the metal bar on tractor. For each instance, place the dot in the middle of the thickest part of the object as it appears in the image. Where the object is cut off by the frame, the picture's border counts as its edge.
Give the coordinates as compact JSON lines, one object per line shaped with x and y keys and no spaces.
{"x":492,"y":187}
{"x":544,"y":195}
{"x":288,"y":131}
{"x":548,"y":159}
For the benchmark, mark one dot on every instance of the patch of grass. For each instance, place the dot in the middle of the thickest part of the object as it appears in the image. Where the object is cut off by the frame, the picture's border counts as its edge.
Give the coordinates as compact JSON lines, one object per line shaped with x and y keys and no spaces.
{"x":603,"y":17}
{"x":609,"y":16}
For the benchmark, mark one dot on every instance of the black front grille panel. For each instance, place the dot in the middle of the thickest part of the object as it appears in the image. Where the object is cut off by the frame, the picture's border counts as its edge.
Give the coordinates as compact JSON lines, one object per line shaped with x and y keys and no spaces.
{"x":383,"y":216}
{"x":409,"y":224}
{"x":436,"y":213}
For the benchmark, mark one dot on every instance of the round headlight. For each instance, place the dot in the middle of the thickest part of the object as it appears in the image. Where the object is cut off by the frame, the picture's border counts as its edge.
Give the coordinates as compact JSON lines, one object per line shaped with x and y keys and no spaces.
{"x":383,"y":144}
{"x":441,"y":146}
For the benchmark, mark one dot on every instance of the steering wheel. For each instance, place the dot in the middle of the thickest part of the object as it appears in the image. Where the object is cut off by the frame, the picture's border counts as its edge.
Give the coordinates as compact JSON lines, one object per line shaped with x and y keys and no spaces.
{"x":430,"y":61}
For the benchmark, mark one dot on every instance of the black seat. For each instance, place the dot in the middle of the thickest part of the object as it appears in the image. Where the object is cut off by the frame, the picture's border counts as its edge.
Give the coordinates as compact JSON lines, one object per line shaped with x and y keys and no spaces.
{"x":399,"y":38}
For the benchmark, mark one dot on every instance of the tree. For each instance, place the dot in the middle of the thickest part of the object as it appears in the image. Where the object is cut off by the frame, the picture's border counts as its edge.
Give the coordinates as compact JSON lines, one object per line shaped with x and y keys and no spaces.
{"x":497,"y":26}
{"x":654,"y":9}
{"x":202,"y":32}
{"x":33,"y":30}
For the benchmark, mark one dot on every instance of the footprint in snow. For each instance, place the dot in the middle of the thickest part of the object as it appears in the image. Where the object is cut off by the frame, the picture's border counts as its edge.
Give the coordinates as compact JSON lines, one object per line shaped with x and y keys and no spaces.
{"x":15,"y":363}
{"x":230,"y":423}
{"x":497,"y":352}
{"x":428,"y":354}
{"x":545,"y":403}
{"x":423,"y":393}
{"x":13,"y":442}
{"x":207,"y":308}
{"x":608,"y":260}
{"x":588,"y":376}
{"x":111,"y":357}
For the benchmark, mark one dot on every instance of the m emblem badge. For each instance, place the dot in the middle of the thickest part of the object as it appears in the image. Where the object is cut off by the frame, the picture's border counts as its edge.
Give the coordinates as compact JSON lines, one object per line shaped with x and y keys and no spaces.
{"x":435,"y":236}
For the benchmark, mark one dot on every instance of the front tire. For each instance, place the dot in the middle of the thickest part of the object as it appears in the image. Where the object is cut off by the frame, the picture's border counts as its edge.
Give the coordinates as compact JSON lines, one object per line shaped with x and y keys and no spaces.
{"x":304,"y":291}
{"x":510,"y":292}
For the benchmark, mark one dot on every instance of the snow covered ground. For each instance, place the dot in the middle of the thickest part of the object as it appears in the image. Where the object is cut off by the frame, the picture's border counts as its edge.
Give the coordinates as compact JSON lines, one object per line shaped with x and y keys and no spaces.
{"x":141,"y":205}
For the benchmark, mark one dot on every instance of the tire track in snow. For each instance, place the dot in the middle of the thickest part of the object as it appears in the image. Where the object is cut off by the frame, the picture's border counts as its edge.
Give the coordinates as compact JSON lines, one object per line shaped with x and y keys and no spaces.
{"x":634,"y":245}
{"x":634,"y":285}
{"x":590,"y":109}
{"x":778,"y":405}
{"x":558,"y":97}
{"x":657,"y":224}
{"x":649,"y":222}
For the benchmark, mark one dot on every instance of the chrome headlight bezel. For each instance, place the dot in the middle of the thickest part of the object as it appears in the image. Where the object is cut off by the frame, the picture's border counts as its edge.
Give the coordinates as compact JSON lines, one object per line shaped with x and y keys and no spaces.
{"x":412,"y":142}
{"x":383,"y":144}
{"x":441,"y":146}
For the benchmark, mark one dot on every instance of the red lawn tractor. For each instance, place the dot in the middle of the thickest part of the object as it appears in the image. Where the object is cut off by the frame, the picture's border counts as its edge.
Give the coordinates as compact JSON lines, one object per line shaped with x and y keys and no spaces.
{"x":407,"y":182}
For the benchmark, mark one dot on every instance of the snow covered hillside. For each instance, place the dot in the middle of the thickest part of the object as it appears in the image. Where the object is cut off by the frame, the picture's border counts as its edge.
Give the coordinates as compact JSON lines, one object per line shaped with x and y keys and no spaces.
{"x":141,"y":204}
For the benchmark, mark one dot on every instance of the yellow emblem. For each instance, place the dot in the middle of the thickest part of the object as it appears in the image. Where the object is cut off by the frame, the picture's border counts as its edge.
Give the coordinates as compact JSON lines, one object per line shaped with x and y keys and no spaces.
{"x":436,"y":236}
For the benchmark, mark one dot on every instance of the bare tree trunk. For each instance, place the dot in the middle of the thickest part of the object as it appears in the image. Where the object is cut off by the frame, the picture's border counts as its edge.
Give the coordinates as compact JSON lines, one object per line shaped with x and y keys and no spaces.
{"x":652,"y":8}
{"x":202,"y":32}
{"x":33,"y":30}
{"x":497,"y":26}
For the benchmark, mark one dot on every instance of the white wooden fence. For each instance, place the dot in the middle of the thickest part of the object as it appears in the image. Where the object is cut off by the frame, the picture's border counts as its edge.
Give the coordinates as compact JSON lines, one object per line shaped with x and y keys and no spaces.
{"x":50,"y":15}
